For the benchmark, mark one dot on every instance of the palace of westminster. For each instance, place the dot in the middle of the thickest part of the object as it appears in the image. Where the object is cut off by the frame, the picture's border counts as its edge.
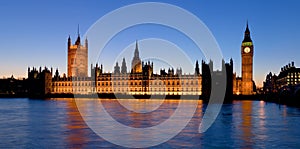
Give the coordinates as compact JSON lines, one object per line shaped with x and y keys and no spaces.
{"x":140,"y":79}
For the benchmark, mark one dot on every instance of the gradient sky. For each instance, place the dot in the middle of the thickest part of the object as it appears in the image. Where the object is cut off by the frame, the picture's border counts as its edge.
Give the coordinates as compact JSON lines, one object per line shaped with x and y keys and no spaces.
{"x":34,"y":33}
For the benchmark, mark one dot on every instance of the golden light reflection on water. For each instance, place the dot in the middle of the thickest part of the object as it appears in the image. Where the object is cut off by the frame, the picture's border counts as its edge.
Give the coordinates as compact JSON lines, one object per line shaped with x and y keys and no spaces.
{"x":284,"y":111}
{"x":262,"y":116}
{"x":246,"y":125}
{"x":159,"y":115}
{"x":77,"y":134}
{"x":58,"y":124}
{"x":126,"y":117}
{"x":142,"y":120}
{"x":261,"y":134}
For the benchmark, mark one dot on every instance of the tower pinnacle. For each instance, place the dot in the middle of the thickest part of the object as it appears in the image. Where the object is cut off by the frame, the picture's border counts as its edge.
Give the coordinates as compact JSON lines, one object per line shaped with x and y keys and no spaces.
{"x":247,"y":37}
{"x":136,"y":63}
{"x":136,"y":52}
{"x":78,"y":38}
{"x":78,"y":33}
{"x":69,"y":41}
{"x":247,"y":28}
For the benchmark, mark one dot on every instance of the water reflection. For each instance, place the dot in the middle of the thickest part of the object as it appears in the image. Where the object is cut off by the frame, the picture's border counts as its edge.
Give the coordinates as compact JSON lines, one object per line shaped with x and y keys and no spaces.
{"x":140,"y":120}
{"x":261,"y":122}
{"x":58,"y":124}
{"x":246,"y":124}
{"x":76,"y":133}
{"x":12,"y":123}
{"x":135,"y":128}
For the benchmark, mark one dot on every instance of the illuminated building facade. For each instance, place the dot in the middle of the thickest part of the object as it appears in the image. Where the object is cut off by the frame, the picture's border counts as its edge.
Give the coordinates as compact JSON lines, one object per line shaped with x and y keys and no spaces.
{"x":247,"y":64}
{"x":77,"y":58}
{"x":289,"y":76}
{"x":141,"y":80}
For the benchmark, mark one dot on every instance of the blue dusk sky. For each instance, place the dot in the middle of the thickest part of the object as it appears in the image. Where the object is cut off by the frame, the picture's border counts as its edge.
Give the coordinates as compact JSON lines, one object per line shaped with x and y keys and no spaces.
{"x":34,"y":33}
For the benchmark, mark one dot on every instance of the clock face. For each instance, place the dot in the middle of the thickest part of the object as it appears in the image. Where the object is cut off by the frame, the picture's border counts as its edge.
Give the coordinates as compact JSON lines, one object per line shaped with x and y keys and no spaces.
{"x":247,"y":50}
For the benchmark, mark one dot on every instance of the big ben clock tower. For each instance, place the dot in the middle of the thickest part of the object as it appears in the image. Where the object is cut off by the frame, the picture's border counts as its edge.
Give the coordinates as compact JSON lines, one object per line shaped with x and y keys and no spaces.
{"x":247,"y":64}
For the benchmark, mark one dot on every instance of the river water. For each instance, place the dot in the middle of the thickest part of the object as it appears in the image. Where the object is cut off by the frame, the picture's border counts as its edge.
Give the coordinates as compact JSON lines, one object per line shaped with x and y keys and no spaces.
{"x":57,"y":123}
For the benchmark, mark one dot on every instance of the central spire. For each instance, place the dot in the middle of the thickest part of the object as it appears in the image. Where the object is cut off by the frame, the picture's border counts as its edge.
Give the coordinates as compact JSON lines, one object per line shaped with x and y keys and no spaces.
{"x":136,"y":63}
{"x":136,"y":52}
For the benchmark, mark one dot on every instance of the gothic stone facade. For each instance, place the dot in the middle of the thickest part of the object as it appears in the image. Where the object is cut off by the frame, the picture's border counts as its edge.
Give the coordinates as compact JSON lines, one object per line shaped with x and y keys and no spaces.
{"x":142,"y":80}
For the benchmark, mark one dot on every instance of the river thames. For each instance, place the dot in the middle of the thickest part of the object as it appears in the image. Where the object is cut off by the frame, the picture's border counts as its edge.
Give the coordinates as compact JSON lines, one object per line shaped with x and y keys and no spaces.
{"x":57,"y":123}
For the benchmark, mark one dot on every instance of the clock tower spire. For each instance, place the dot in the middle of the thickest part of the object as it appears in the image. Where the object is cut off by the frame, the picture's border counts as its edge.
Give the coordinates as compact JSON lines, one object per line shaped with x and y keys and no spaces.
{"x":247,"y":37}
{"x":247,"y":63}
